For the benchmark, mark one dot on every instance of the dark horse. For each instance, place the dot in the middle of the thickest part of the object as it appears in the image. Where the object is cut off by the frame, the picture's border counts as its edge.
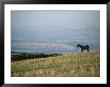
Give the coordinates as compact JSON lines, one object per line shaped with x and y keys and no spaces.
{"x":86,"y":47}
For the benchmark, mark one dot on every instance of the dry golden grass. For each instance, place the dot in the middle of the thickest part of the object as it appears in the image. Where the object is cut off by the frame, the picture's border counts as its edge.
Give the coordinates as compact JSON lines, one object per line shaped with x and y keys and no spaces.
{"x":72,"y":65}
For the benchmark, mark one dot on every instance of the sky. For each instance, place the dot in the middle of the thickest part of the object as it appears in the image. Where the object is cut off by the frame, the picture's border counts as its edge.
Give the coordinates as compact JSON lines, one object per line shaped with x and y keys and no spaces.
{"x":55,"y":24}
{"x":55,"y":18}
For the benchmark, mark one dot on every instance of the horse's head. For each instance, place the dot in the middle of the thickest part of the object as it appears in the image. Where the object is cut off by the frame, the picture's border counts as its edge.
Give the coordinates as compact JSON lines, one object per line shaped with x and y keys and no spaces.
{"x":78,"y":45}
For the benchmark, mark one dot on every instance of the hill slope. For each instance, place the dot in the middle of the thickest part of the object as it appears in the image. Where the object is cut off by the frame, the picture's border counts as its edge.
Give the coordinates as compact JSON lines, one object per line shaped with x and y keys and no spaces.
{"x":74,"y":65}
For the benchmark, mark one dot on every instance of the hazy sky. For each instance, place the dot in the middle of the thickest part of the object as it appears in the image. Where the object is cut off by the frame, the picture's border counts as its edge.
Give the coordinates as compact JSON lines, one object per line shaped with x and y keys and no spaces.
{"x":63,"y":19}
{"x":64,"y":27}
{"x":55,"y":25}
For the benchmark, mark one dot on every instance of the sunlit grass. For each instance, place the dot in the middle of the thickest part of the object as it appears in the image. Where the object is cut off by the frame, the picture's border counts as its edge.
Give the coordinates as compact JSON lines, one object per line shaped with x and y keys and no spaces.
{"x":75,"y":65}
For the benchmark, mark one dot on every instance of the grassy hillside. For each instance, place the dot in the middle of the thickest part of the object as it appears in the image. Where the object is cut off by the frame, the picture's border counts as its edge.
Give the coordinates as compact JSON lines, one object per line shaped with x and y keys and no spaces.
{"x":74,"y":65}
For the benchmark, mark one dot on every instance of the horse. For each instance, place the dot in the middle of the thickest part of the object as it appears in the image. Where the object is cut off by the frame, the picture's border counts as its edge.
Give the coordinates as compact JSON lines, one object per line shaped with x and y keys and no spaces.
{"x":86,"y":47}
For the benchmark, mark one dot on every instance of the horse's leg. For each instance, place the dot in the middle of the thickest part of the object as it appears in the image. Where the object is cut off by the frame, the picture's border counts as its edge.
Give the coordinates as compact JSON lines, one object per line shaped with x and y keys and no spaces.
{"x":82,"y":50}
{"x":88,"y":50}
